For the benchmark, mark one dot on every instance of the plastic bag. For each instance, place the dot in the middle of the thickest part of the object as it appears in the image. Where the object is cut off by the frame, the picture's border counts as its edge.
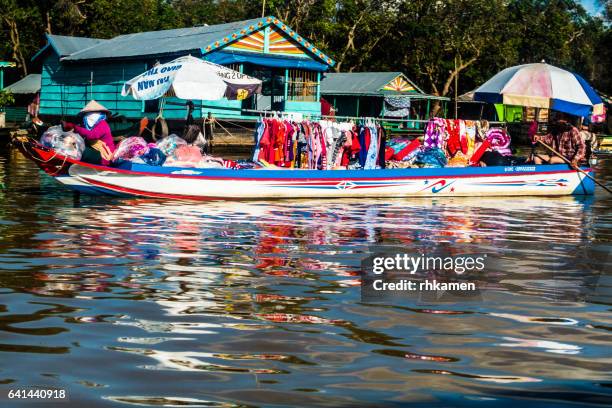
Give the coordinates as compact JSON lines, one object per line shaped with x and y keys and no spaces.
{"x":154,"y":157}
{"x":170,"y":143}
{"x":210,"y":162}
{"x":69,"y":144}
{"x":189,"y":154}
{"x":51,"y":137}
{"x":130,"y":148}
{"x":185,"y":156}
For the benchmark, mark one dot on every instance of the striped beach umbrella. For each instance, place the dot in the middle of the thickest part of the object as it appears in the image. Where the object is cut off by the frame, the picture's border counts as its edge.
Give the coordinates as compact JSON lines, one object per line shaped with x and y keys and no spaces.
{"x":540,"y":86}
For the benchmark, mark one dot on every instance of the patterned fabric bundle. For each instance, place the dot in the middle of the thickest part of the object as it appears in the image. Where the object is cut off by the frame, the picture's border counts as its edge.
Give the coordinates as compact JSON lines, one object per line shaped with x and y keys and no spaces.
{"x":500,"y":141}
{"x":397,"y":106}
{"x":470,"y":133}
{"x":458,"y":160}
{"x":431,"y":158}
{"x":130,"y":148}
{"x":406,"y":150}
{"x":435,"y":134}
{"x":397,"y":144}
{"x":154,"y":157}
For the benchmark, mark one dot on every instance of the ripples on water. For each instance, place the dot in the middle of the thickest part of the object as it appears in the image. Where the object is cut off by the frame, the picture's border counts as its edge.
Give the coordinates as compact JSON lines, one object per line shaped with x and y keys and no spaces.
{"x":124,"y":301}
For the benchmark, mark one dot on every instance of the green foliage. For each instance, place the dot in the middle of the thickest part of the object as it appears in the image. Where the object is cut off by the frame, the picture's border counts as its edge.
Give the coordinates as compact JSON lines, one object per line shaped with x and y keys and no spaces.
{"x":431,"y":41}
{"x":6,"y":98}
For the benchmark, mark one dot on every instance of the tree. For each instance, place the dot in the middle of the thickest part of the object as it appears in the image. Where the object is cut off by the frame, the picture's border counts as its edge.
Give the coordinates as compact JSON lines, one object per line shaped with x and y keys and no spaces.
{"x":191,"y":13}
{"x":361,"y":26}
{"x":64,"y":16}
{"x":437,"y":41}
{"x":109,"y":18}
{"x":433,"y":41}
{"x":19,"y":21}
{"x":6,"y":98}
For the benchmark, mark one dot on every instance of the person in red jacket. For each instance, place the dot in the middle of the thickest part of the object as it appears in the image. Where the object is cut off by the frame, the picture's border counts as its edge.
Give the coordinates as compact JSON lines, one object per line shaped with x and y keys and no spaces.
{"x":96,"y":132}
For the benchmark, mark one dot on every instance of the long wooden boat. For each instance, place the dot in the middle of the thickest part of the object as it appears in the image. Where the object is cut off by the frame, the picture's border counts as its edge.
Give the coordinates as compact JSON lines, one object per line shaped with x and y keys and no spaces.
{"x":210,"y":184}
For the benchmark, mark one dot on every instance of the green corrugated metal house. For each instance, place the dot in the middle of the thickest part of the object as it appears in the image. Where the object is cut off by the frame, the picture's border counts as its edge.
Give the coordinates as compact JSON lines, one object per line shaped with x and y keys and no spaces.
{"x":75,"y":70}
{"x":24,"y":91}
{"x":363,"y":93}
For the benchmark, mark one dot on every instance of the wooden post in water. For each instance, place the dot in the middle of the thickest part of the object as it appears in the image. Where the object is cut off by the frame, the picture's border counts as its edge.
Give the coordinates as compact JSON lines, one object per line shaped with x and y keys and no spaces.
{"x":456,"y":84}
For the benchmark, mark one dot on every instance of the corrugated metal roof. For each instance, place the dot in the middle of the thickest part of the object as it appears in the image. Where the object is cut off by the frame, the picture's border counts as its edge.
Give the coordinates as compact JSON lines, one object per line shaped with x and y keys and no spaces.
{"x":65,"y":45}
{"x":27,"y":85}
{"x":353,"y":83}
{"x":192,"y":40}
{"x":175,"y":41}
{"x":361,"y":83}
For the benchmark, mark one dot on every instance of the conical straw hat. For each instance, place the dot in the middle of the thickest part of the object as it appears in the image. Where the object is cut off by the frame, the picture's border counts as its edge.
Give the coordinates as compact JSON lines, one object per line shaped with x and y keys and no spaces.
{"x":93,"y":106}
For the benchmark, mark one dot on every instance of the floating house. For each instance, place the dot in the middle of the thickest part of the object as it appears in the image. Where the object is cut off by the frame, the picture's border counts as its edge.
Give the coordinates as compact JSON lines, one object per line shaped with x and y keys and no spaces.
{"x":377,"y":94}
{"x":75,"y":70}
{"x":26,"y":94}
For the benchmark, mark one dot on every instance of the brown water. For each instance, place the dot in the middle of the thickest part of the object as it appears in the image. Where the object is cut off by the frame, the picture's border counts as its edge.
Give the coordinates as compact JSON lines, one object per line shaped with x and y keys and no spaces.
{"x":136,"y":302}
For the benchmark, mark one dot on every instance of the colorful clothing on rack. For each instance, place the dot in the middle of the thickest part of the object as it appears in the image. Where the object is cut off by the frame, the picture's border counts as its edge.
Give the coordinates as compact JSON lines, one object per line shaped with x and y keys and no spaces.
{"x":322,"y":145}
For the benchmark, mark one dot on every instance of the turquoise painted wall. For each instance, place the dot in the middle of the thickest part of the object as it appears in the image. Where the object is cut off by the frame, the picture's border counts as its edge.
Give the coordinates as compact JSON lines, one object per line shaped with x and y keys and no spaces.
{"x":222,"y":109}
{"x":306,"y":108}
{"x":67,"y":87}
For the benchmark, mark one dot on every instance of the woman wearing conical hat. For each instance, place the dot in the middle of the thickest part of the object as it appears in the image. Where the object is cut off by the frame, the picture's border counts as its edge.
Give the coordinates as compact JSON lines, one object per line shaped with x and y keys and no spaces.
{"x":96,"y":132}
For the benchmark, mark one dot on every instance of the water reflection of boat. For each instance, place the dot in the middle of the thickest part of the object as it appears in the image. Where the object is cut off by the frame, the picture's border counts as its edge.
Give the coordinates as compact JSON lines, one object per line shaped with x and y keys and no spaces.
{"x":206,"y":184}
{"x":235,"y":244}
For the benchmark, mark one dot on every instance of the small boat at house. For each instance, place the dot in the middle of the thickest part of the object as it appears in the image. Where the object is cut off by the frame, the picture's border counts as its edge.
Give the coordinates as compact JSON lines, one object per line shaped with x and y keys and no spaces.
{"x":240,"y":184}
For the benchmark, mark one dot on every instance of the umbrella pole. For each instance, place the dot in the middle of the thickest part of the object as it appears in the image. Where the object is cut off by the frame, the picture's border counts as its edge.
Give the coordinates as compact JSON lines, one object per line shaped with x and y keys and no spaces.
{"x":575,"y":167}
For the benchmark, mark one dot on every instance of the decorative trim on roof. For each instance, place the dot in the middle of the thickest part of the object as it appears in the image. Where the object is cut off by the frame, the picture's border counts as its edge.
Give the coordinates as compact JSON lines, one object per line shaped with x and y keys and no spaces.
{"x":399,"y":84}
{"x":247,"y":32}
{"x":270,"y":40}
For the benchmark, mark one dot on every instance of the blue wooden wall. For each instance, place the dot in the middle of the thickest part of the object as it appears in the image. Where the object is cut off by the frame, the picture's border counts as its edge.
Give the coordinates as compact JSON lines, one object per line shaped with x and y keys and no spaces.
{"x":67,"y":87}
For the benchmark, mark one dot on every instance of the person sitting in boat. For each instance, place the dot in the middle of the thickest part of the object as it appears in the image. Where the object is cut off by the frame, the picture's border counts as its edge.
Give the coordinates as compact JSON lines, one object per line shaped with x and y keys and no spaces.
{"x":565,"y":139}
{"x":96,"y":132}
{"x":590,"y":140}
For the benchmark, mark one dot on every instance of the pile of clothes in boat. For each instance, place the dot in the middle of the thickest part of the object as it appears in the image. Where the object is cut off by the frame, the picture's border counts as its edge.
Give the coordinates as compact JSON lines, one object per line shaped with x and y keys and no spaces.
{"x":69,"y":144}
{"x":452,"y":143}
{"x":170,"y":151}
{"x":322,"y":145}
